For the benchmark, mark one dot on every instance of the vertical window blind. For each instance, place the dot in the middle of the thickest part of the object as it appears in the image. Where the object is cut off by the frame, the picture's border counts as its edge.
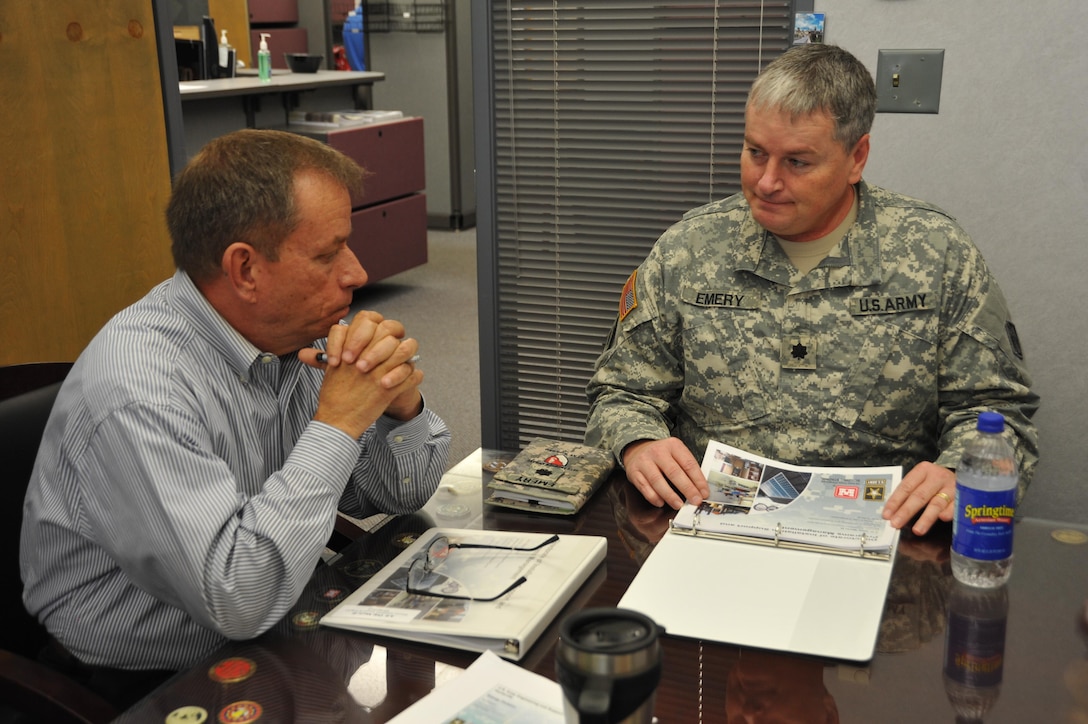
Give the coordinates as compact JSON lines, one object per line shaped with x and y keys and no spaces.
{"x":609,"y":120}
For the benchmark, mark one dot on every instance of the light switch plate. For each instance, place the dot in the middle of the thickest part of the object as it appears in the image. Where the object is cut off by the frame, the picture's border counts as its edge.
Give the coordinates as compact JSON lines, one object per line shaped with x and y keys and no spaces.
{"x":909,"y":81}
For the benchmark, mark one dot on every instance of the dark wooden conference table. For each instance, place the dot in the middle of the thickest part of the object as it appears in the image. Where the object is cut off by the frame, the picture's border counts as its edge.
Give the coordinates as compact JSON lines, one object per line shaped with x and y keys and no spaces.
{"x":301,"y":672}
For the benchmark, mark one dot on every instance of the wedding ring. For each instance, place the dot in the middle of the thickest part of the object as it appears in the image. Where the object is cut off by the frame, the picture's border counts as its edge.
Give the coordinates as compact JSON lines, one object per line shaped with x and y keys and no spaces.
{"x":944,"y":495}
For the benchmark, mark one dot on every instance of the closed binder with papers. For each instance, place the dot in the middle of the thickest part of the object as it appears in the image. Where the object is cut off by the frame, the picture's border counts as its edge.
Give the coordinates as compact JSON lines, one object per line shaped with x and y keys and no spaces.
{"x":463,"y":602}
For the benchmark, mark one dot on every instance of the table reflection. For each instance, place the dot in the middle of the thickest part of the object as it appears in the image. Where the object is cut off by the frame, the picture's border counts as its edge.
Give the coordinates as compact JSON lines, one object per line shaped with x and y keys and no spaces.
{"x":303,"y":672}
{"x":767,"y":687}
{"x":914,"y":611}
{"x":974,"y":659}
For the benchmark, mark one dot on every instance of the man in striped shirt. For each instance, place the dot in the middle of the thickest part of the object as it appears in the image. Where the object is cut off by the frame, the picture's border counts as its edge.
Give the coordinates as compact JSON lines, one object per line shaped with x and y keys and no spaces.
{"x":191,"y":470}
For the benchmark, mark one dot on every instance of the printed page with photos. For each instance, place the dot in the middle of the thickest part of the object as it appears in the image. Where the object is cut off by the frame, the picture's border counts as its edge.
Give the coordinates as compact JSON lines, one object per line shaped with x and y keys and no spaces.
{"x":490,"y":690}
{"x":760,"y":500}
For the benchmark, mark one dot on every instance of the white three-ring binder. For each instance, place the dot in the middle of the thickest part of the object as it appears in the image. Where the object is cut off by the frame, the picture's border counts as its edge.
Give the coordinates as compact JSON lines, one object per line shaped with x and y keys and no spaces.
{"x":780,"y":557}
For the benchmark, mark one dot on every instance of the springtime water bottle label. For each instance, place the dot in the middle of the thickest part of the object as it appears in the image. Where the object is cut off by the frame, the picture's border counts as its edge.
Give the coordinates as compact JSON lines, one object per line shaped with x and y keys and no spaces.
{"x":982,"y":528}
{"x":975,"y":655}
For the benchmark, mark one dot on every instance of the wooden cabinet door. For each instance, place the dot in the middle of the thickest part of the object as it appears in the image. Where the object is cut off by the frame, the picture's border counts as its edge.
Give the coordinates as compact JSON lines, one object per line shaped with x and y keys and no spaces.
{"x":85,"y":174}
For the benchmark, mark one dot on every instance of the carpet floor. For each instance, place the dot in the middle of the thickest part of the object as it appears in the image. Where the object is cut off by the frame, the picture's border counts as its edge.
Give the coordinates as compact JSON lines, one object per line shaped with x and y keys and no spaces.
{"x":437,"y":303}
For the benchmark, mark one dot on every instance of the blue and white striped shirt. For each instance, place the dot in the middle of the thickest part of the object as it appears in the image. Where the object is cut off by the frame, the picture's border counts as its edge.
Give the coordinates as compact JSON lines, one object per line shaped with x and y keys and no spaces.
{"x":183,"y":493}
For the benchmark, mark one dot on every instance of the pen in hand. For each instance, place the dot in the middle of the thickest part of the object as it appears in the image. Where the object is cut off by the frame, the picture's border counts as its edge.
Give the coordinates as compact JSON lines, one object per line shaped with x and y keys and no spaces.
{"x":323,"y":357}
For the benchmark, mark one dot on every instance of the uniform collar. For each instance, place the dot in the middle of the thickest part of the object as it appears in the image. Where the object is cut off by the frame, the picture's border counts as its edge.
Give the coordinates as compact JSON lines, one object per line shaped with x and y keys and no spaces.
{"x":855,"y":261}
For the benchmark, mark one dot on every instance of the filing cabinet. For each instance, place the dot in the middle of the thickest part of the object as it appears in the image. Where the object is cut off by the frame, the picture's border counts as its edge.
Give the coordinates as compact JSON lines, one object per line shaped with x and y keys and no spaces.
{"x":391,"y":237}
{"x":279,"y":19}
{"x":280,"y":41}
{"x":389,"y":220}
{"x":265,"y":12}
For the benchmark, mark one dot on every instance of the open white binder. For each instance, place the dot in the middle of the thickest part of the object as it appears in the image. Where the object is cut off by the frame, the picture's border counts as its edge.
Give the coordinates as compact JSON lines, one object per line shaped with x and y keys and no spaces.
{"x":780,"y":557}
{"x":762,"y":596}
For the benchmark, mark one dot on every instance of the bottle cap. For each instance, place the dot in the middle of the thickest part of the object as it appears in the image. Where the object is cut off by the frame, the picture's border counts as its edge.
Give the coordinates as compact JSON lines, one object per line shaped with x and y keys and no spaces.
{"x":223,"y":37}
{"x":264,"y":41}
{"x":991,"y":422}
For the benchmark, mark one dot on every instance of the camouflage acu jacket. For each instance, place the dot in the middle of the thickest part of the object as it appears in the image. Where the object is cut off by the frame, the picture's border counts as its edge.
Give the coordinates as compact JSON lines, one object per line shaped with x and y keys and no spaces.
{"x":883,"y":354}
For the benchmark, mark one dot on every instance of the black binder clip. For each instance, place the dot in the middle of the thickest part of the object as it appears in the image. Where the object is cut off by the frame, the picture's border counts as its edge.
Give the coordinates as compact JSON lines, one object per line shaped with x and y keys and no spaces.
{"x":861,"y":547}
{"x":777,"y":532}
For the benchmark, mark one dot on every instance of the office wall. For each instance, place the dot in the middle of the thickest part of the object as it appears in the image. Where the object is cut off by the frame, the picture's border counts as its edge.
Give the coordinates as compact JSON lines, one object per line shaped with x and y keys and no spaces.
{"x":429,"y":74}
{"x":1008,"y":156}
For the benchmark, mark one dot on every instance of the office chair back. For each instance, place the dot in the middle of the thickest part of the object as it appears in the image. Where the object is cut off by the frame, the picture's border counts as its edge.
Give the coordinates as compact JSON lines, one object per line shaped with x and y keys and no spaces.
{"x":28,"y":392}
{"x":29,"y":690}
{"x":31,"y":693}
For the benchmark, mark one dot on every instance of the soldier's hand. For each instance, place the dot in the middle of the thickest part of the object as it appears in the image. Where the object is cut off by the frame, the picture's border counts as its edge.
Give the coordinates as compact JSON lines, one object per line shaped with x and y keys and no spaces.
{"x":929,"y":488}
{"x":661,"y":469}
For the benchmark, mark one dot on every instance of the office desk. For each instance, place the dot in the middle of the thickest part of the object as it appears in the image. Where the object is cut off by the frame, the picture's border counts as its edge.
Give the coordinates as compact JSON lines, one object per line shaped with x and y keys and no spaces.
{"x":215,"y":107}
{"x":302,"y":672}
{"x":281,"y":82}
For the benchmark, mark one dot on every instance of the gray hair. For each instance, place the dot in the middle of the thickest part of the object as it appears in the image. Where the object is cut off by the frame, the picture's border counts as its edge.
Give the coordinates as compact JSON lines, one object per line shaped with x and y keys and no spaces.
{"x":241,"y":187}
{"x":816,"y":78}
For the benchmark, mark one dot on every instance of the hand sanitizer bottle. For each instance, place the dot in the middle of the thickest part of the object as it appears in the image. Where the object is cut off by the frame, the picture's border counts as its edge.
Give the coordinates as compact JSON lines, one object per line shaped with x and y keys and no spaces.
{"x":264,"y":60}
{"x":226,"y":56}
{"x":224,"y":48}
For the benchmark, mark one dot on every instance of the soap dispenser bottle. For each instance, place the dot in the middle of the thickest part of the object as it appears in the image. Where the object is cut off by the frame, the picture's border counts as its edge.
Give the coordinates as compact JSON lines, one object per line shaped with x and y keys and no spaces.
{"x":264,"y":60}
{"x":226,"y":56}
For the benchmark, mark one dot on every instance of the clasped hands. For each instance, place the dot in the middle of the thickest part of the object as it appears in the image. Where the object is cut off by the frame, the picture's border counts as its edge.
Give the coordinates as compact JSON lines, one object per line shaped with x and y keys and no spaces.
{"x":368,"y":372}
{"x":664,"y":470}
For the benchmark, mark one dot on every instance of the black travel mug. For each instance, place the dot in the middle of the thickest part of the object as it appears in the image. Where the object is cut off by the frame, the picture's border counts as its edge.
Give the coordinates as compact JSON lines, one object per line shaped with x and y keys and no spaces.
{"x":608,"y":663}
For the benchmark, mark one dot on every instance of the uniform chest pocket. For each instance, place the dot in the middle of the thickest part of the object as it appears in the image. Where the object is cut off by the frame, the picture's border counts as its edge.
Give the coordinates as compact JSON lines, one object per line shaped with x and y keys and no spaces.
{"x":890,"y":391}
{"x":726,"y":353}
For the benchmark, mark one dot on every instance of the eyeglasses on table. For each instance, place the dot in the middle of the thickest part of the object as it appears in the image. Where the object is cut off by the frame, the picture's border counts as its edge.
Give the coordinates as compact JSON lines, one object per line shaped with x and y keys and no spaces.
{"x":439,"y":549}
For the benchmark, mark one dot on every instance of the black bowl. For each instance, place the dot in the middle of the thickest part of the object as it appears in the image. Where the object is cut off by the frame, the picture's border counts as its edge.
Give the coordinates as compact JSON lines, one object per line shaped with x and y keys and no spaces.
{"x":303,"y":62}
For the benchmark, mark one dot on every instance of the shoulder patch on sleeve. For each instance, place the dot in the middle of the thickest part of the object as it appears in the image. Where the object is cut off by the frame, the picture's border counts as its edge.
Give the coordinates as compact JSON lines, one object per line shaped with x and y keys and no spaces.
{"x":628,"y":301}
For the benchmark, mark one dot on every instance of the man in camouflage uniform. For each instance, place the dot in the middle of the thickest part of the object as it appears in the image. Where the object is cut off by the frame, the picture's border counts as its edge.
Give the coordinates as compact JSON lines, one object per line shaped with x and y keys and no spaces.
{"x":814,"y":318}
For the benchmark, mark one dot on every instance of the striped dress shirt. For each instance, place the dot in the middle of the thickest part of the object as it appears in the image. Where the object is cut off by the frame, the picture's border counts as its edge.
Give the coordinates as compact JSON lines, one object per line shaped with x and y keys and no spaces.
{"x":183,"y":492}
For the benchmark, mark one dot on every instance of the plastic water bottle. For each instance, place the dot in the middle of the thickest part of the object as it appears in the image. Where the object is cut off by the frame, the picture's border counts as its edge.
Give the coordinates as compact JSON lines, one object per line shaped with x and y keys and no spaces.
{"x":974,"y":653}
{"x":986,"y":482}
